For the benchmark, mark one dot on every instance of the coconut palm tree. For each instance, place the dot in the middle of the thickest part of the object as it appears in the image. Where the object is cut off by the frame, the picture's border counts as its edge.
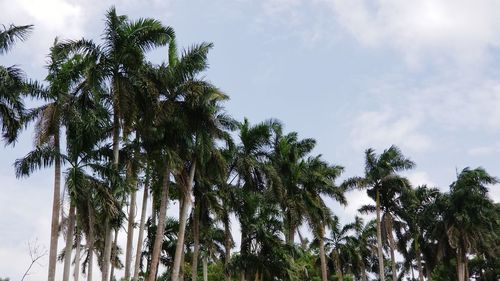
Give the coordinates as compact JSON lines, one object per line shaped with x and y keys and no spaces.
{"x":12,"y":85}
{"x":383,"y":183}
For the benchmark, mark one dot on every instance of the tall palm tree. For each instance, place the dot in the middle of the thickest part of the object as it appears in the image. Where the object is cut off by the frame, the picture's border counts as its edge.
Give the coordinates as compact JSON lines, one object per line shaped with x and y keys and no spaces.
{"x":12,"y":85}
{"x":205,"y":124}
{"x":251,"y":169}
{"x":188,"y":116}
{"x":60,"y":95}
{"x":319,"y":181}
{"x":118,"y":59}
{"x":287,"y":158}
{"x":383,"y":183}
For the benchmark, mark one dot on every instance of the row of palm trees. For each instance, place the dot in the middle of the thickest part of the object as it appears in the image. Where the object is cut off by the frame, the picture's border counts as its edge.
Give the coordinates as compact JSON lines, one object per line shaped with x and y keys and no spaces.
{"x":112,"y":123}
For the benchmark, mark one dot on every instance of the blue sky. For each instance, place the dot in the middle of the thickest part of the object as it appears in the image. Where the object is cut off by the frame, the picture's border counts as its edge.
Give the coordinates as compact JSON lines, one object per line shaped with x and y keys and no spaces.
{"x":351,"y":73}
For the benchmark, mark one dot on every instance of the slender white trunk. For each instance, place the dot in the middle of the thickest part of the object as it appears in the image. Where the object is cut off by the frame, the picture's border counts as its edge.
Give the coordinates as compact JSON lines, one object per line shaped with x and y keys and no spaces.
{"x":324,"y":273}
{"x":196,"y":241}
{"x":90,"y":242}
{"x":461,"y":265}
{"x":130,"y":235}
{"x":108,"y":242}
{"x":76,"y":269}
{"x":392,"y":245}
{"x":205,"y":269}
{"x":160,"y":229}
{"x":379,"y":241}
{"x":69,"y":242}
{"x":141,"y":234}
{"x":186,"y":205}
{"x":131,"y":221}
{"x":56,"y":207}
{"x":90,"y":266}
{"x":106,"y":261}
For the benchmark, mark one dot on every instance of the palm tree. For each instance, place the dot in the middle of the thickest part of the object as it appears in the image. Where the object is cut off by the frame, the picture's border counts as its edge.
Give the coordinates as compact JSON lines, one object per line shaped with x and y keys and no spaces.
{"x":287,"y":158}
{"x":470,"y":217}
{"x":383,"y":183}
{"x":60,"y":95}
{"x":188,"y":116}
{"x":318,"y":181}
{"x":205,"y":124}
{"x":251,"y":169}
{"x":207,"y":201}
{"x":414,"y":206}
{"x":118,"y":60}
{"x":361,"y":247}
{"x":339,"y":237}
{"x":12,"y":85}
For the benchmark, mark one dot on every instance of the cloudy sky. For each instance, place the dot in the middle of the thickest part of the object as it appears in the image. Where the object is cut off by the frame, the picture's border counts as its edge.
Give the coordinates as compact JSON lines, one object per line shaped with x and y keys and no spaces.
{"x":353,"y":74}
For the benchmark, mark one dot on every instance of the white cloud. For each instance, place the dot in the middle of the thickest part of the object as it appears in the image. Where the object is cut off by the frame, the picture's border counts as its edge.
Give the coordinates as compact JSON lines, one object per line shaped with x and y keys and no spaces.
{"x":384,"y":128}
{"x":461,"y":30}
{"x":420,"y":178}
{"x":484,"y":150}
{"x":460,"y":105}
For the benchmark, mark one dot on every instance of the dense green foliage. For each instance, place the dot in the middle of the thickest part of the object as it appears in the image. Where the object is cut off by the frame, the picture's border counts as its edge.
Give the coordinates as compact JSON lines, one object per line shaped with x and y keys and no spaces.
{"x":129,"y":124}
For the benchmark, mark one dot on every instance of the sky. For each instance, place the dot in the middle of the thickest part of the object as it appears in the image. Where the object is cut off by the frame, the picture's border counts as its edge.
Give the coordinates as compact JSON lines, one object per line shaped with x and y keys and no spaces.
{"x":353,"y":74}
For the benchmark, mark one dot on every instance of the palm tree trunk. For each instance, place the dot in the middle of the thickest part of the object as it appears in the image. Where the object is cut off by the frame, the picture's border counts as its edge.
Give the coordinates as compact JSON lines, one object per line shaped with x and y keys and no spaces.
{"x":56,"y":206}
{"x":106,"y":262}
{"x":196,"y":240}
{"x":338,"y":268}
{"x":160,"y":229}
{"x":114,"y":252}
{"x":205,"y":269}
{"x":392,"y":245}
{"x":181,"y":268}
{"x":69,"y":242}
{"x":131,"y":221}
{"x":244,"y":247}
{"x":257,"y":277}
{"x":76,"y":269}
{"x":185,"y":206}
{"x":227,"y":248}
{"x":419,"y":262}
{"x":90,"y":265}
{"x":379,"y":241}
{"x":108,"y":242}
{"x":141,"y":233}
{"x":363,"y":271}
{"x":322,"y":257}
{"x":90,"y":243}
{"x":460,"y":265}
